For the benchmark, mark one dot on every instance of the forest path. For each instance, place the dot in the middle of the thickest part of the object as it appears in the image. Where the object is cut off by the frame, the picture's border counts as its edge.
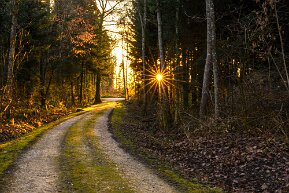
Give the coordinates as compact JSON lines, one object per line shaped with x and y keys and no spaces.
{"x":141,"y":178}
{"x":39,"y":170}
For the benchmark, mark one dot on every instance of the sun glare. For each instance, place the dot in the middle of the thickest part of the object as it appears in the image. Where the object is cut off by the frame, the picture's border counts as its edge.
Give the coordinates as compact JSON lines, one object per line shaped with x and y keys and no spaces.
{"x":159,"y":77}
{"x":157,"y":80}
{"x":118,"y":53}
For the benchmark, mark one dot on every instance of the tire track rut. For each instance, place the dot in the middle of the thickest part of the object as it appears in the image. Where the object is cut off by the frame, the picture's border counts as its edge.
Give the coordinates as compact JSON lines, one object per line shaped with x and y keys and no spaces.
{"x":38,"y":168}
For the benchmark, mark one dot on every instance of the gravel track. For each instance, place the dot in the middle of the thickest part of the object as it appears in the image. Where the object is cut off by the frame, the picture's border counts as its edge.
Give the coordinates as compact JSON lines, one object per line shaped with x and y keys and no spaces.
{"x":37,"y":170}
{"x":142,"y":178}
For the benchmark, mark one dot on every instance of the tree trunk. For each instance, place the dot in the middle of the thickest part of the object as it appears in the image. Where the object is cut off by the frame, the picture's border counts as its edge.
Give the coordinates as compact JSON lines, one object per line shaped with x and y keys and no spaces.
{"x":123,"y":68}
{"x":97,"y":99}
{"x":214,"y":59}
{"x":143,"y":19}
{"x":3,"y":68}
{"x":206,"y":78}
{"x":72,"y":93}
{"x":42,"y":85}
{"x":185,"y":79}
{"x":81,"y":84}
{"x":11,"y":60}
{"x":281,"y":44}
{"x":160,"y":37}
{"x":177,"y":64}
{"x":193,"y":72}
{"x":165,"y":115}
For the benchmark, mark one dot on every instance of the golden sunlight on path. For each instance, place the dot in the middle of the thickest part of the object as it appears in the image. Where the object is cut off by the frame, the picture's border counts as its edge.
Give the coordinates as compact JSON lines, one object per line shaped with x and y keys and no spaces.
{"x":141,"y":178}
{"x":38,"y":169}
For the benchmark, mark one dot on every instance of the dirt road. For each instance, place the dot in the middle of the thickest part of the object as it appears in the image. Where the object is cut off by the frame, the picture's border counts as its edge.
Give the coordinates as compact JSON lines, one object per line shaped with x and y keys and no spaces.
{"x":38,"y":169}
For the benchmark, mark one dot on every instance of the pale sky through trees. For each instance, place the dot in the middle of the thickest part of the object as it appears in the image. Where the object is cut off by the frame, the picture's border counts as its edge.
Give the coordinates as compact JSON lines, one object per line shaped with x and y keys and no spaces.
{"x":111,"y":24}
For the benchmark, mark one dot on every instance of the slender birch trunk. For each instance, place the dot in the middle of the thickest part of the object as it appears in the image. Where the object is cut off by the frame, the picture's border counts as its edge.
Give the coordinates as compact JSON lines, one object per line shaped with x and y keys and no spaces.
{"x":210,"y":60}
{"x":207,"y":71}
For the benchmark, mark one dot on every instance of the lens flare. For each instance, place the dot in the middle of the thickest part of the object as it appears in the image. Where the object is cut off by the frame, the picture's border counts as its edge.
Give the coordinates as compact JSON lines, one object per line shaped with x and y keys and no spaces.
{"x":160,"y":80}
{"x":159,"y":77}
{"x":157,"y":80}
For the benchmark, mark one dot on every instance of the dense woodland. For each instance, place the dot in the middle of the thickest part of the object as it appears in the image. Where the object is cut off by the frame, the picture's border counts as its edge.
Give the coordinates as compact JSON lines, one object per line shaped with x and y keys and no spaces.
{"x":224,"y":66}
{"x":54,"y":55}
{"x":220,"y":114}
{"x":236,"y":69}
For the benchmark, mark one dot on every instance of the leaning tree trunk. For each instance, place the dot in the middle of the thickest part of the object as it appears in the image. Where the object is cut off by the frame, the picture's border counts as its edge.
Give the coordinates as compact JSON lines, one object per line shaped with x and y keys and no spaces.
{"x":206,"y":79}
{"x":281,"y":44}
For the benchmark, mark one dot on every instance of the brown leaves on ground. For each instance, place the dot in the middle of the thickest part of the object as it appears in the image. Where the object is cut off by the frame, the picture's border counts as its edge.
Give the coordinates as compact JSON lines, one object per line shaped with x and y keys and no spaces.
{"x":232,"y":161}
{"x":238,"y":164}
{"x":27,"y":120}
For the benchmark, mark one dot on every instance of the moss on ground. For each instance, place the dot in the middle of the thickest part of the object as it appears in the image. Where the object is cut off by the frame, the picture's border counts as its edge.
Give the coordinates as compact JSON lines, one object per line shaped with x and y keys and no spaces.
{"x":85,"y":167}
{"x":183,"y":185}
{"x":11,"y":150}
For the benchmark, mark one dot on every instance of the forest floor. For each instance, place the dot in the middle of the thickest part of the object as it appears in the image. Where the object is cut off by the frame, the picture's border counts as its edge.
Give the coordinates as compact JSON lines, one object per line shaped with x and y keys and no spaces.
{"x":28,"y":119}
{"x":235,"y":162}
{"x":80,"y":155}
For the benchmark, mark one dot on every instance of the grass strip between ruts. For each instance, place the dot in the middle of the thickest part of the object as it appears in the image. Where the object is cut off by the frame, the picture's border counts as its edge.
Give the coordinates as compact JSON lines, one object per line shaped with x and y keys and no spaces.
{"x":9,"y":151}
{"x":85,"y":167}
{"x":183,"y":185}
